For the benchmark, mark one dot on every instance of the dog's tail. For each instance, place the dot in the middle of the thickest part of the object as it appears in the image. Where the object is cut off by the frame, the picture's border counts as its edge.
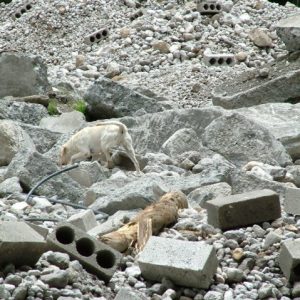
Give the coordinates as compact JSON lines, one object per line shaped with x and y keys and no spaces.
{"x":122,"y":126}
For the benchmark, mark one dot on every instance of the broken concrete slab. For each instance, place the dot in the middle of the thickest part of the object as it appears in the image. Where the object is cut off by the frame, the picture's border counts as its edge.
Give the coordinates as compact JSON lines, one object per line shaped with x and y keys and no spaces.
{"x":84,"y":220}
{"x":198,"y":197}
{"x":283,"y":123}
{"x":146,"y":130}
{"x":23,"y":112}
{"x":241,"y":140}
{"x":88,"y":173}
{"x":139,"y":193}
{"x":10,"y":186}
{"x":183,"y":140}
{"x":288,"y":30}
{"x":95,"y":256}
{"x":20,"y":244}
{"x":185,"y":263}
{"x":289,"y":259}
{"x":114,"y":222}
{"x":292,"y":201}
{"x":109,"y":99}
{"x":13,"y":139}
{"x":281,"y":85}
{"x":66,"y":122}
{"x":31,"y":167}
{"x":43,"y":139}
{"x":22,"y":75}
{"x":243,"y":209}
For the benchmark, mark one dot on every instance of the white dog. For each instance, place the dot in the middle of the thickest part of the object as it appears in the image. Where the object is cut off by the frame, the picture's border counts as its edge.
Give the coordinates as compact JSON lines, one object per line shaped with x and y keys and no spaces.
{"x":96,"y":140}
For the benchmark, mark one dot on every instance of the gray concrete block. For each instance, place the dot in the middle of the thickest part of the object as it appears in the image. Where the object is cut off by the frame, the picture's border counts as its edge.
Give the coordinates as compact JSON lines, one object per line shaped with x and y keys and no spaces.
{"x":219,"y":60}
{"x":20,"y":244}
{"x":185,"y":263}
{"x":243,"y":209}
{"x":22,"y":10}
{"x":96,"y":36}
{"x":84,"y":220}
{"x":95,"y":256}
{"x":209,"y":7}
{"x":125,"y":294}
{"x":292,"y":201}
{"x":289,"y":259}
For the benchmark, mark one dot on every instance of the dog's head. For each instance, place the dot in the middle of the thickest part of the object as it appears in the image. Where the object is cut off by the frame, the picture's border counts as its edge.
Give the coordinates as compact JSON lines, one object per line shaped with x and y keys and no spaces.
{"x":64,"y":158}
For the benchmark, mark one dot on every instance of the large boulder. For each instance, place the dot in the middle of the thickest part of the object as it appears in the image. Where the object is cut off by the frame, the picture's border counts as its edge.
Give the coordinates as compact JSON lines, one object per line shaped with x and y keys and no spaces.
{"x":43,"y":139}
{"x":109,"y":99}
{"x":24,"y":112}
{"x":241,"y":140}
{"x":64,"y":123}
{"x":181,"y":141}
{"x":22,"y":75}
{"x":12,"y":140}
{"x":31,"y":167}
{"x":151,"y":131}
{"x":243,"y":90}
{"x":283,"y":122}
{"x":289,"y":31}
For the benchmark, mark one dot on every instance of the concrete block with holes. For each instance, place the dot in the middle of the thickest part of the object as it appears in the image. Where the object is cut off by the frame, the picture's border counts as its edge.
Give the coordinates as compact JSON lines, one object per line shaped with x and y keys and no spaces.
{"x":95,"y":256}
{"x":84,"y":220}
{"x":243,"y":209}
{"x":209,"y":7}
{"x":20,"y":244}
{"x":185,"y":263}
{"x":96,"y":36}
{"x":136,"y":15}
{"x":289,"y":259}
{"x":22,"y":10}
{"x":219,"y":60}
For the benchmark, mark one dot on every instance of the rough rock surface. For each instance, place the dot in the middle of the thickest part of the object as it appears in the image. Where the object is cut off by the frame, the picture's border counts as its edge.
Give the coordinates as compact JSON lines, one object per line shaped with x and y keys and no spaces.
{"x":241,"y":140}
{"x":21,"y":75}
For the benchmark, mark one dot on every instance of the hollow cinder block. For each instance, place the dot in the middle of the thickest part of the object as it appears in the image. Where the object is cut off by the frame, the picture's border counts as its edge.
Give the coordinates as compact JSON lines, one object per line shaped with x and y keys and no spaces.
{"x":209,"y":7}
{"x":22,"y":10}
{"x":136,"y":15}
{"x":292,"y":201}
{"x":190,"y":264}
{"x":95,"y":256}
{"x":20,"y":244}
{"x":219,"y":60}
{"x":289,"y":259}
{"x":243,"y":209}
{"x":96,"y":36}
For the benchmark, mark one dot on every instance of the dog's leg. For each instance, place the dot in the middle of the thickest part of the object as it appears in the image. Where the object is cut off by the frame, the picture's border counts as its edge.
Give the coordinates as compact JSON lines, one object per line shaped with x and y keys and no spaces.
{"x":130,"y":152}
{"x":109,"y":162}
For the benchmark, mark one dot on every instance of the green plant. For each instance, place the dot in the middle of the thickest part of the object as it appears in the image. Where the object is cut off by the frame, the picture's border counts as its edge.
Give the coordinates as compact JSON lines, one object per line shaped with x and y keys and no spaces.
{"x":80,"y":105}
{"x":52,"y":107}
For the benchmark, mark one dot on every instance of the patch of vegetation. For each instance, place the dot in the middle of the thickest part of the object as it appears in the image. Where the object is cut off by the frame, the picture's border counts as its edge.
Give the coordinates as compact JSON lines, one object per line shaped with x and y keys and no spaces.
{"x":52,"y":107}
{"x":80,"y":105}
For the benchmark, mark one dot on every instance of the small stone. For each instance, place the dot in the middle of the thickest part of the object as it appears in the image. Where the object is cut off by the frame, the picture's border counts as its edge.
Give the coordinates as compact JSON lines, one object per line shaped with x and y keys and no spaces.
{"x":162,"y":46}
{"x":241,"y":56}
{"x":234,"y":275}
{"x":271,"y":239}
{"x":212,"y":295}
{"x":260,"y":38}
{"x":80,"y":60}
{"x":238,"y":254}
{"x":58,"y":259}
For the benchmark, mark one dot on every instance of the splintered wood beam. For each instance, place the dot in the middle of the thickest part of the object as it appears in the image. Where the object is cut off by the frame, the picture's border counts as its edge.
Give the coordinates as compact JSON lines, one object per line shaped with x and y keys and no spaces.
{"x":149,"y":221}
